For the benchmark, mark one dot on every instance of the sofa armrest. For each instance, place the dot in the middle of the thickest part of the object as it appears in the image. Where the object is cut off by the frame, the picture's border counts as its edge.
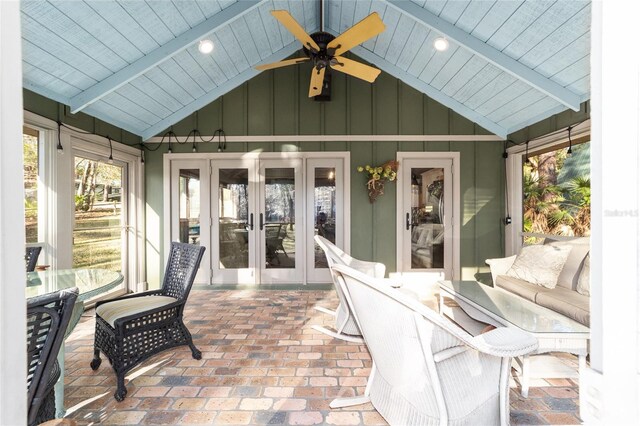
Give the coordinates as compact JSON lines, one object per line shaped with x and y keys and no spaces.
{"x":500,"y":266}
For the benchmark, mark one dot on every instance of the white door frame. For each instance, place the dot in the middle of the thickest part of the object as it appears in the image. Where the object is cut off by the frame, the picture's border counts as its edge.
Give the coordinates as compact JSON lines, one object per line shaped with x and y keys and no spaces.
{"x":282,"y":275}
{"x":323,"y":275}
{"x":452,"y":224}
{"x":340,"y":156}
{"x":203,"y":275}
{"x":246,"y":275}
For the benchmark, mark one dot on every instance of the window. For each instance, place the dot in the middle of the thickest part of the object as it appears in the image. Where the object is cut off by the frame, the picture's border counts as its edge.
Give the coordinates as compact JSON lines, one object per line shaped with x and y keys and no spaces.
{"x":557,"y":192}
{"x":548,"y":190}
{"x":30,"y":143}
{"x":98,"y":237}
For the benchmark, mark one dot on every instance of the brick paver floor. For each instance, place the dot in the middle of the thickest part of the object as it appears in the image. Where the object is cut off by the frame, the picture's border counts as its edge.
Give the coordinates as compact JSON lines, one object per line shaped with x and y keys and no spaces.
{"x":262,"y":364}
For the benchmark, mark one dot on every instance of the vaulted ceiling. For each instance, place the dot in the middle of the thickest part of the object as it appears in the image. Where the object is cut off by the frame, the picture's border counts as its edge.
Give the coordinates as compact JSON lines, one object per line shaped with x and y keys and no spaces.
{"x":136,"y":64}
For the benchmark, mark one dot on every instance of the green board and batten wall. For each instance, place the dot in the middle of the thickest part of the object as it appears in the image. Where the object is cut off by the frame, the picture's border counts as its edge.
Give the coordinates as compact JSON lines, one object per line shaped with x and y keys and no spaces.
{"x":276,"y":103}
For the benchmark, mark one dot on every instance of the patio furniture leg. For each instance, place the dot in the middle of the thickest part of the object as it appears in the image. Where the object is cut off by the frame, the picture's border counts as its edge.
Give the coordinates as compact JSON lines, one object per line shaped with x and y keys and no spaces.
{"x":195,"y":352}
{"x":96,"y":361}
{"x":356,"y":400}
{"x":335,"y":335}
{"x":524,"y":378}
{"x":121,"y":390}
{"x":325,"y":310}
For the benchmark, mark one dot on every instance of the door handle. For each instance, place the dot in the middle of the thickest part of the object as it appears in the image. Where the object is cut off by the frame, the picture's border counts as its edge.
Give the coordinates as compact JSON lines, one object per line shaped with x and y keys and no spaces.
{"x":251,"y":221}
{"x":408,"y":222}
{"x":261,"y":221}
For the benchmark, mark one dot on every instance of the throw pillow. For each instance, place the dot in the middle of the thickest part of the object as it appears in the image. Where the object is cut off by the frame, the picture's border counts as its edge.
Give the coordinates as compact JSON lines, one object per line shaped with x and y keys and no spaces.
{"x":584,"y":280}
{"x":540,"y":264}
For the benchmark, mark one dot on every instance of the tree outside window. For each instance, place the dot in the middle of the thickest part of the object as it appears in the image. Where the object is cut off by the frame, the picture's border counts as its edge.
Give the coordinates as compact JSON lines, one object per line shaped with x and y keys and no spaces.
{"x":557,"y":193}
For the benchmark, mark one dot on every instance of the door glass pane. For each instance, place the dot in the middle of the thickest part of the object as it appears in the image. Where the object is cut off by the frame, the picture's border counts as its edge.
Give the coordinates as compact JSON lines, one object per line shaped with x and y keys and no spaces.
{"x":233,"y":202}
{"x":427,"y":218}
{"x":30,"y":151}
{"x":98,"y":231}
{"x":280,"y":218}
{"x":189,"y":197}
{"x":325,"y":210}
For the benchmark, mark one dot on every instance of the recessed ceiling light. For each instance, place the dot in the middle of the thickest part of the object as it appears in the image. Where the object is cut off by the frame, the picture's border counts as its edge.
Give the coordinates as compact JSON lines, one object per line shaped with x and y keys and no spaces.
{"x":441,"y":44}
{"x":205,"y":46}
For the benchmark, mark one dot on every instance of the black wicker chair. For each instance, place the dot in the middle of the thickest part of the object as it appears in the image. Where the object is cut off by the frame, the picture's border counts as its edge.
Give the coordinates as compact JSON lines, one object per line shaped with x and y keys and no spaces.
{"x":31,"y":257}
{"x":47,"y":320}
{"x":132,"y":328}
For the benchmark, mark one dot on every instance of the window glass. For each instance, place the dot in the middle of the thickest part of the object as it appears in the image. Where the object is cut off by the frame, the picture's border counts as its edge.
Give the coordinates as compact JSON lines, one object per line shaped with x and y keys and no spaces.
{"x":557,"y":192}
{"x":31,"y":177}
{"x":98,"y":235}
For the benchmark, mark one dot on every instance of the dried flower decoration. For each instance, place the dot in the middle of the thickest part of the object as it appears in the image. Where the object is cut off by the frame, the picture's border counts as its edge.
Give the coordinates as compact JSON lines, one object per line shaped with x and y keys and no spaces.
{"x":378,"y":176}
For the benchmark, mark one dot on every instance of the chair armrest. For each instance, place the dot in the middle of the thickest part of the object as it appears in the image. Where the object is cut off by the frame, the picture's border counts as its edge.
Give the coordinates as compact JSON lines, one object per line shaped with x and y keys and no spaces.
{"x":131,"y":295}
{"x":500,"y":266}
{"x":505,"y":342}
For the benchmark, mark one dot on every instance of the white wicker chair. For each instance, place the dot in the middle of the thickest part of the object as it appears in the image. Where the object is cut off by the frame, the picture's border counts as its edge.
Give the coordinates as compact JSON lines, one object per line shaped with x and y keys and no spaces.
{"x":426,"y":370}
{"x":346,"y":327}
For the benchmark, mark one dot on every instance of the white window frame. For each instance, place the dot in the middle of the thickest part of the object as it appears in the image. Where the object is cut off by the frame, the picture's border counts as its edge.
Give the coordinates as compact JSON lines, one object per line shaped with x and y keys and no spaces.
{"x":514,"y":182}
{"x":58,"y":187}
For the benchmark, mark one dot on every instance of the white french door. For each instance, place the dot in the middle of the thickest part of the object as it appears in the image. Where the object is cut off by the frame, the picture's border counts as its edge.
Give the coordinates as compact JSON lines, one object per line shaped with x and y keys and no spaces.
{"x":326,"y":213}
{"x":233,"y":230}
{"x":280,"y":221}
{"x":190,"y":214}
{"x":428,"y":194}
{"x":255,"y":217}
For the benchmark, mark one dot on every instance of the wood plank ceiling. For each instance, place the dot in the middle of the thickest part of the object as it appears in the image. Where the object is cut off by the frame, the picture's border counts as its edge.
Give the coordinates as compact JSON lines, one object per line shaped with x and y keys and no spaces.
{"x":136,"y":64}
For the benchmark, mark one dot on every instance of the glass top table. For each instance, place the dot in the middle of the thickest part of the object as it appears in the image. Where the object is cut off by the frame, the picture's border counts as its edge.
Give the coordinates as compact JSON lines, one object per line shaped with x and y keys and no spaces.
{"x":554,"y":331}
{"x":515,"y":310}
{"x":90,"y":283}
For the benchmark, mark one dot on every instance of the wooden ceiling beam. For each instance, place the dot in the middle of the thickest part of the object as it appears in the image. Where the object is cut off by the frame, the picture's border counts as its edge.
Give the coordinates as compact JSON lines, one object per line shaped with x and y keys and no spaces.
{"x":489,"y":53}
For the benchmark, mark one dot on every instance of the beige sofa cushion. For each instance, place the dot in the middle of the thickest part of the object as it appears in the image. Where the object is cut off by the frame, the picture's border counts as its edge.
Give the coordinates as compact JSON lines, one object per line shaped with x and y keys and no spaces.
{"x":517,"y":286}
{"x":566,"y":302}
{"x":540,"y":264}
{"x":584,"y":279}
{"x":568,"y":277}
{"x":111,"y":311}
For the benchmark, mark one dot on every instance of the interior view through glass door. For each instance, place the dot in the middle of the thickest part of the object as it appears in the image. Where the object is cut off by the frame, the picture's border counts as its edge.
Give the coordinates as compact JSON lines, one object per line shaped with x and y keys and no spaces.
{"x":234,"y":224}
{"x":325,"y":198}
{"x":280,"y":221}
{"x":99,"y":231}
{"x":254,"y":217}
{"x":427,"y":215}
{"x":190,"y":208}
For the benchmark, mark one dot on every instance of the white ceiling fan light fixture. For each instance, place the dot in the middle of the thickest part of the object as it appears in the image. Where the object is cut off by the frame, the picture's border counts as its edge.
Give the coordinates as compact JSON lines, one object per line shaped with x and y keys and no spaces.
{"x":205,"y":46}
{"x":441,"y":44}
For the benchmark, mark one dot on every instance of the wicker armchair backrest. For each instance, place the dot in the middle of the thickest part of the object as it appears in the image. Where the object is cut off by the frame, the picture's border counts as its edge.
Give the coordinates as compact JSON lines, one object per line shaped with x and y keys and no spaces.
{"x":47,"y":320}
{"x":31,"y":257}
{"x":182,"y":266}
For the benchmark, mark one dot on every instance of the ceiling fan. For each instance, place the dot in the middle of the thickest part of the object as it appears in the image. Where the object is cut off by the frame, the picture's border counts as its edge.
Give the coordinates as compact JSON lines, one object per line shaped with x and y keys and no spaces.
{"x":324,"y":50}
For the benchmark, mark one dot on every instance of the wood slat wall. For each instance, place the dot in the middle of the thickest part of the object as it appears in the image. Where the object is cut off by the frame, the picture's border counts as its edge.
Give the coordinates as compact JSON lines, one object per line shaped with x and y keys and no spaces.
{"x":274,"y":104}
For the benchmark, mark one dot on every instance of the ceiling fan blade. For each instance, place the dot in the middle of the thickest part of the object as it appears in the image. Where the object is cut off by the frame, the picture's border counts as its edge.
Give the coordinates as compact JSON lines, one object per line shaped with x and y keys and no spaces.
{"x":281,"y":64}
{"x":355,"y":69}
{"x":369,"y":27}
{"x":294,"y":28}
{"x":317,"y":78}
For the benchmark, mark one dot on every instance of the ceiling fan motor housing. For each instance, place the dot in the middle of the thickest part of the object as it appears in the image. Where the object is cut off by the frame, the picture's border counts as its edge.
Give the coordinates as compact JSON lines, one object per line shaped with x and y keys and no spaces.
{"x":323,"y":59}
